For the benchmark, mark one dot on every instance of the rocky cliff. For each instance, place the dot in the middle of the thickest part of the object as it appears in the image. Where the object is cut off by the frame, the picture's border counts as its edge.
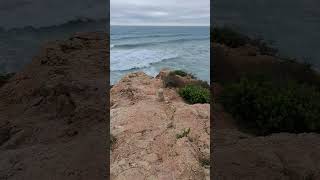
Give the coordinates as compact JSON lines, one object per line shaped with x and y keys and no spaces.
{"x":155,"y":137}
{"x":52,"y":114}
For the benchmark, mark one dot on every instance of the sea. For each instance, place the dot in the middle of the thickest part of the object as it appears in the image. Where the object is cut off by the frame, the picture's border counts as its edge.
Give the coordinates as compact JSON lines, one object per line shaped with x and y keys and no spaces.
{"x":152,"y":48}
{"x":19,"y":45}
{"x":292,"y":26}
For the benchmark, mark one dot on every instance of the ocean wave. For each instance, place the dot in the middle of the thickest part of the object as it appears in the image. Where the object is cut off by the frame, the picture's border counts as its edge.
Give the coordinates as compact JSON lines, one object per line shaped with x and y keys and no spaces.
{"x":149,"y":36}
{"x":146,"y":44}
{"x":138,"y":59}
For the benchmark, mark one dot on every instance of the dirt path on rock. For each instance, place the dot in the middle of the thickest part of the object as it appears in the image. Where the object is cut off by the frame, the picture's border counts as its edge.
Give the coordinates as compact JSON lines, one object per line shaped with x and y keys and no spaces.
{"x":146,"y":131}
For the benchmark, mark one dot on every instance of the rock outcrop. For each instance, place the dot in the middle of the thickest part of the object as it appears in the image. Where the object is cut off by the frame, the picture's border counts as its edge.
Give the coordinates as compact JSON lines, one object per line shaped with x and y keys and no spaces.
{"x":157,"y":138}
{"x":53,"y":115}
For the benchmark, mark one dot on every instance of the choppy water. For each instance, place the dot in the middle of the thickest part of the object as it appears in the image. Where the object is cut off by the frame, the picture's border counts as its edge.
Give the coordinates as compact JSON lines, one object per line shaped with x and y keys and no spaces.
{"x":149,"y":49}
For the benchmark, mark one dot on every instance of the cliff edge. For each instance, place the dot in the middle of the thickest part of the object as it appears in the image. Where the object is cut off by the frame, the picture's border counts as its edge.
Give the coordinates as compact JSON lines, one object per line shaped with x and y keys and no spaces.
{"x":156,"y":138}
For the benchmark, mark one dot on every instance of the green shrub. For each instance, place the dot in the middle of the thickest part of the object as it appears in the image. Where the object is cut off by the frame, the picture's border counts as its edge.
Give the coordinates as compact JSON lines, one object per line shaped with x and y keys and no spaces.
{"x":195,"y":94}
{"x":265,"y":107}
{"x":183,"y":74}
{"x":180,"y":73}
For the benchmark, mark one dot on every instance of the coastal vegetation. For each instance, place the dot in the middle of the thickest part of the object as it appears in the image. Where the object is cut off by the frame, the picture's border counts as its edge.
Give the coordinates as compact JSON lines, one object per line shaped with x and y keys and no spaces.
{"x":265,"y":107}
{"x":182,"y":73}
{"x":191,"y":89}
{"x":194,"y":94}
{"x":266,"y":95}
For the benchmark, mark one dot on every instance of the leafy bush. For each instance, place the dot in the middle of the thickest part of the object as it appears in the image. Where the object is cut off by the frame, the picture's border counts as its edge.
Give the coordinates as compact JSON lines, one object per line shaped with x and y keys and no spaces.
{"x":195,"y":94}
{"x":265,"y":107}
{"x":183,"y":74}
{"x":180,"y":73}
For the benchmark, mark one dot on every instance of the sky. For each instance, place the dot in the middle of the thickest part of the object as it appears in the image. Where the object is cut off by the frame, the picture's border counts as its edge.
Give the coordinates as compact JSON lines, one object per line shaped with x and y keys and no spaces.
{"x":160,"y":12}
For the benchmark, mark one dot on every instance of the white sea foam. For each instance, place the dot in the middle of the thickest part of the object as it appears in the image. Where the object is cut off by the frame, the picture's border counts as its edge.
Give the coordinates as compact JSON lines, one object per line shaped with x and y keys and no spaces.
{"x":149,"y":49}
{"x":133,"y":59}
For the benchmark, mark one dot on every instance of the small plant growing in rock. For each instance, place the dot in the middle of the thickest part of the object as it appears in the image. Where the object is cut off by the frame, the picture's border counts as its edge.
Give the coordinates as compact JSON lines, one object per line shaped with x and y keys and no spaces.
{"x":184,"y":133}
{"x":194,"y":94}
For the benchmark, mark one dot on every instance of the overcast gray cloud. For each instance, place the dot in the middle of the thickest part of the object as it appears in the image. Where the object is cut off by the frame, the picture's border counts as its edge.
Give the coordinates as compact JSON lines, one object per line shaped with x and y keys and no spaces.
{"x":160,"y":12}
